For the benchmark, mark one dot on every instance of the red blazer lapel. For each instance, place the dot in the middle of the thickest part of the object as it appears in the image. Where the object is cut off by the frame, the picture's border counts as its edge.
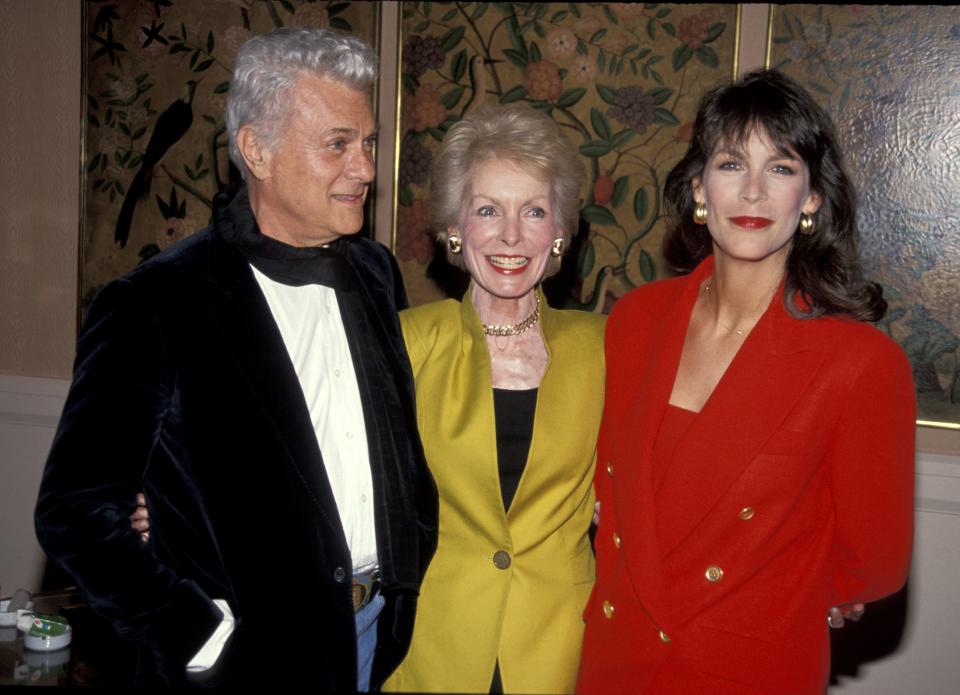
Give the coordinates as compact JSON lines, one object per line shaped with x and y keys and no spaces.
{"x":751,"y":402}
{"x":636,"y":509}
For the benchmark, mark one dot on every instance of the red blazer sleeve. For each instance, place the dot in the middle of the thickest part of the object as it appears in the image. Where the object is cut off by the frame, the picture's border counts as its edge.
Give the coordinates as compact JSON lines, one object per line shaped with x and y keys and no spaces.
{"x":872,"y":469}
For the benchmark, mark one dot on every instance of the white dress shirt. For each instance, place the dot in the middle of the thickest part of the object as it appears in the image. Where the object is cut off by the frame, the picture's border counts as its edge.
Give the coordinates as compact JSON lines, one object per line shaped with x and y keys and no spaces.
{"x":312,"y":329}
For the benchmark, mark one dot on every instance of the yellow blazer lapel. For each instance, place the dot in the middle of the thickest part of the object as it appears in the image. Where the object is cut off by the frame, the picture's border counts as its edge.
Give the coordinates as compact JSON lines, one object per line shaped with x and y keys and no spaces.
{"x":472,"y":387}
{"x":570,"y":380}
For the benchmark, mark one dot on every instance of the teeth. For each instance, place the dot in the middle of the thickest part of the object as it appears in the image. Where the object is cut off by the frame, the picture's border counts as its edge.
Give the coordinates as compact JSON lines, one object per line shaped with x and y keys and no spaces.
{"x":508,"y":262}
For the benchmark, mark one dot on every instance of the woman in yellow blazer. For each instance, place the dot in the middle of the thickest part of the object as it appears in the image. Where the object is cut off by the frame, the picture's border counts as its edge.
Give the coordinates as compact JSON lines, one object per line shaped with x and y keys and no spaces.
{"x":509,"y":398}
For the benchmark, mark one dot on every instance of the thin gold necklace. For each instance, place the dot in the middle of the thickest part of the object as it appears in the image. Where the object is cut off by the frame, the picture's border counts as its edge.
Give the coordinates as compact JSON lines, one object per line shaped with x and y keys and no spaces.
{"x":739,"y":331}
{"x":514,"y":328}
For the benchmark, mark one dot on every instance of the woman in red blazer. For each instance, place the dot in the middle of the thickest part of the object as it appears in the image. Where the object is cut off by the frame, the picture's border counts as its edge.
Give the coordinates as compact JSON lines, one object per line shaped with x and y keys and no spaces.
{"x":756,"y":453}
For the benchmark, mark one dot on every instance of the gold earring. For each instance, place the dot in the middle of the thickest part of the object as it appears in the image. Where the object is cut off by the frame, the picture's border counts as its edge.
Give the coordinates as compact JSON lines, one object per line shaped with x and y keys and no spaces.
{"x":806,"y":224}
{"x":557,"y":249}
{"x":453,"y":244}
{"x":700,"y":213}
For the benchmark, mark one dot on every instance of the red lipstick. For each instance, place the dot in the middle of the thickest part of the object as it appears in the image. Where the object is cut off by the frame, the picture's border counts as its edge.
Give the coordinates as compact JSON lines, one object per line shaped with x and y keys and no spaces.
{"x":508,"y":265}
{"x":751,"y":222}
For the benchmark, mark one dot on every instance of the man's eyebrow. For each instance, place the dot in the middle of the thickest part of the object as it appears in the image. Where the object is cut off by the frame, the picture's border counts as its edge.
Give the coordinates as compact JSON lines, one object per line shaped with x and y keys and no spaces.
{"x":352,"y":131}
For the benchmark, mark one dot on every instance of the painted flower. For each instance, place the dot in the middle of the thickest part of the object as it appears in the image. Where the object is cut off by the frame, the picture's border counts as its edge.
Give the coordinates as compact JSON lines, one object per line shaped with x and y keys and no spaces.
{"x":310,"y":16}
{"x":155,"y":8}
{"x":693,"y":30}
{"x":633,"y":108}
{"x":616,"y":42}
{"x":422,"y":53}
{"x":115,"y":171}
{"x":425,"y":110}
{"x":587,"y":26}
{"x":416,"y":160}
{"x":627,"y":10}
{"x":217,"y":106}
{"x":173,"y":230}
{"x":151,"y":45}
{"x":796,"y":50}
{"x":684,"y":132}
{"x":603,"y":190}
{"x":584,"y":69}
{"x":561,"y":43}
{"x":414,"y":242}
{"x":137,"y":116}
{"x":111,"y":140}
{"x":232,"y":39}
{"x":816,"y":33}
{"x":125,"y":88}
{"x":542,"y":80}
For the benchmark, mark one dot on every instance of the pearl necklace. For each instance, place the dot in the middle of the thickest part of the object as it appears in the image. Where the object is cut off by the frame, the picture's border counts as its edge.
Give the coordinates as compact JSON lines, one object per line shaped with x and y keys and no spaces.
{"x":514,"y":328}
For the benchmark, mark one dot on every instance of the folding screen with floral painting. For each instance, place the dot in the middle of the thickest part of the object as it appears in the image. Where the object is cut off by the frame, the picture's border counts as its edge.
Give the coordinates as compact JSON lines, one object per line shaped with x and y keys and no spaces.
{"x":621,"y":79}
{"x":890,"y":77}
{"x":156,"y":77}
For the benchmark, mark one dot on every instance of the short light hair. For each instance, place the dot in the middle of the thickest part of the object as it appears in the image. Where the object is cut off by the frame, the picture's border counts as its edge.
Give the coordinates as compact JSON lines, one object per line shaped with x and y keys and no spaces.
{"x":267,"y":67}
{"x":515,"y":132}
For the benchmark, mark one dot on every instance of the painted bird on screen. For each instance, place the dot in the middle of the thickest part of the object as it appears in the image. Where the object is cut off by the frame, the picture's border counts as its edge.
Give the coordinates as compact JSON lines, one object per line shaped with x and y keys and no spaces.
{"x":172,"y":125}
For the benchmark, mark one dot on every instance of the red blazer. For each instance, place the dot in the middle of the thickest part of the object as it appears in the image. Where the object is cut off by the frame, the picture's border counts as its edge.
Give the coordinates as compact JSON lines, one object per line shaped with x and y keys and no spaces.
{"x":791,"y":492}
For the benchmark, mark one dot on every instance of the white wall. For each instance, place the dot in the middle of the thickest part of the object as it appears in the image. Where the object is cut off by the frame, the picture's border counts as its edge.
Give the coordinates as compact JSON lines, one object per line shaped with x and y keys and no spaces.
{"x":29,"y":410}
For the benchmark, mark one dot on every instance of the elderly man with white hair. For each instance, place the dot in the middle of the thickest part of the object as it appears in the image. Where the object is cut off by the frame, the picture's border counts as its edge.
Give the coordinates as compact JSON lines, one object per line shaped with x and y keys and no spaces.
{"x":252,"y":381}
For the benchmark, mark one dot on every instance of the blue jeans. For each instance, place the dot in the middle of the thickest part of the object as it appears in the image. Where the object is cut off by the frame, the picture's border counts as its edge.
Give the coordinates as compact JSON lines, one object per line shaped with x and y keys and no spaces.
{"x":366,"y":619}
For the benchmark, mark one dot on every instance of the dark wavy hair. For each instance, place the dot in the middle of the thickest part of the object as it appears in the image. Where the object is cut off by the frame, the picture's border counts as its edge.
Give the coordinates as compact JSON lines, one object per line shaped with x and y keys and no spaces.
{"x":823,"y":268}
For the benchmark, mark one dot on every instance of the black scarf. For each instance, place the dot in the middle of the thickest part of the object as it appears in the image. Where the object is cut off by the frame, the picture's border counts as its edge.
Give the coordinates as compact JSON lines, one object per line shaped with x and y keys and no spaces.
{"x":289,"y":265}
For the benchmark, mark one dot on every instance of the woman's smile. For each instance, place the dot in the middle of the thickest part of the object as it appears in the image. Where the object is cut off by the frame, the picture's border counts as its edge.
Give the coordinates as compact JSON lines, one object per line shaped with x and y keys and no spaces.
{"x":509,"y":265}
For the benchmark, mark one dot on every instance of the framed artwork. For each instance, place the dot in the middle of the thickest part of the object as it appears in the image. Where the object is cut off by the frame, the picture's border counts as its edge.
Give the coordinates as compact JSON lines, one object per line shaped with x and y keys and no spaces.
{"x":890,"y":77}
{"x":621,"y":79}
{"x":154,"y":143}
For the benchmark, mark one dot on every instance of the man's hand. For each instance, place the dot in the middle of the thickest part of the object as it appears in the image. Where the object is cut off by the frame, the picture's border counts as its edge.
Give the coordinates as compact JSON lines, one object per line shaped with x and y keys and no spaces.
{"x":140,"y":519}
{"x":840,"y":614}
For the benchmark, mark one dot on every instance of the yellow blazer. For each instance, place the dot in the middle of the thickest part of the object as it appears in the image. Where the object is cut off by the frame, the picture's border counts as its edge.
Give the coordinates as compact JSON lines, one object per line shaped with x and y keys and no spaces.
{"x":509,"y":586}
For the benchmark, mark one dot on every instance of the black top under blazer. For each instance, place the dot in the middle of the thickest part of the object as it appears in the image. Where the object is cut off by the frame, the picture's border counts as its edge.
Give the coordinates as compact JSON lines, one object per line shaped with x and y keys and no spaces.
{"x":183,"y":388}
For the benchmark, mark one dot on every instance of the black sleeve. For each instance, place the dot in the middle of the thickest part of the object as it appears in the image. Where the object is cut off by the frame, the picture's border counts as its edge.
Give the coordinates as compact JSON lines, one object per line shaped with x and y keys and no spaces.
{"x":111,"y":423}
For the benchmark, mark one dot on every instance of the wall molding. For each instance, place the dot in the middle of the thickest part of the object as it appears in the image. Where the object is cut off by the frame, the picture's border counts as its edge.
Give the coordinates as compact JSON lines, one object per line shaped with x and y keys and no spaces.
{"x":938,"y":483}
{"x":31,"y":401}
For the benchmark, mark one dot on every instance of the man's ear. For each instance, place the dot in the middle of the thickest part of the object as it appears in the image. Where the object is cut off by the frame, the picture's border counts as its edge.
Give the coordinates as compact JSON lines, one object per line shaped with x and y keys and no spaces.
{"x":255,"y":155}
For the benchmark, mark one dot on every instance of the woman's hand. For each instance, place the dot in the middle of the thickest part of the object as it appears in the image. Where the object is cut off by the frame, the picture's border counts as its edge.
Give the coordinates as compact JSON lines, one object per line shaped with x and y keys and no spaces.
{"x":840,"y":614}
{"x":140,"y":519}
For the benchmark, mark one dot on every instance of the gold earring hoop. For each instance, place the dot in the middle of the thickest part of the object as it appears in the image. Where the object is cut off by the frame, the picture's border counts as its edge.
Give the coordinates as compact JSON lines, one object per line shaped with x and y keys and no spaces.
{"x":558,"y":247}
{"x":806,"y":224}
{"x":453,"y":244}
{"x":700,"y":214}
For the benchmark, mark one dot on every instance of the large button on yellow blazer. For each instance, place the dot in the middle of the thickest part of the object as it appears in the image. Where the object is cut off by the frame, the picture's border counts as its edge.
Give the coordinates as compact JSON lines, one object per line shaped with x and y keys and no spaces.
{"x":508,"y":586}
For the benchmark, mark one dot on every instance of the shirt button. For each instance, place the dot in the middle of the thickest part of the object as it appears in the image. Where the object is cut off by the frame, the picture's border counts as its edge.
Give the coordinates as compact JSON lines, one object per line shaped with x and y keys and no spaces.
{"x":501,"y":559}
{"x":609,"y":467}
{"x":608,"y":609}
{"x":339,"y":575}
{"x":713,"y":574}
{"x":664,"y":637}
{"x":349,"y":435}
{"x":363,"y":498}
{"x":746,"y":513}
{"x":617,"y":540}
{"x":336,"y":372}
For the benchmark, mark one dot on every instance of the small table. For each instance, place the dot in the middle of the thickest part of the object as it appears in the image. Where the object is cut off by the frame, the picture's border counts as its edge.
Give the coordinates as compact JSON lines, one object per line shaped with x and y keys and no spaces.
{"x":95,"y":657}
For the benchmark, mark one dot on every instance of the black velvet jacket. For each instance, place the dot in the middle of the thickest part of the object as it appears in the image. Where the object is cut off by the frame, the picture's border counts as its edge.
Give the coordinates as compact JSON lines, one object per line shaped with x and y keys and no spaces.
{"x":183,"y":388}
